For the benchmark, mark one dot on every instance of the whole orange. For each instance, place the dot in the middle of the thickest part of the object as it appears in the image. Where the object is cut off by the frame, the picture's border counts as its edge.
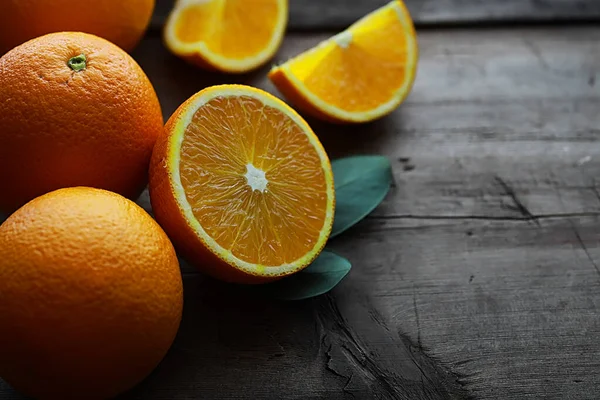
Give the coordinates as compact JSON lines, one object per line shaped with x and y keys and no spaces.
{"x":90,"y":295}
{"x":123,"y":22}
{"x":75,"y":110}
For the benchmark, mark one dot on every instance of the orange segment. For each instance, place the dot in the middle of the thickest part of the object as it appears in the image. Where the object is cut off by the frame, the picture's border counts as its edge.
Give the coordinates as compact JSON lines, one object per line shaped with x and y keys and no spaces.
{"x":358,"y":75}
{"x":228,"y":35}
{"x":242,"y":185}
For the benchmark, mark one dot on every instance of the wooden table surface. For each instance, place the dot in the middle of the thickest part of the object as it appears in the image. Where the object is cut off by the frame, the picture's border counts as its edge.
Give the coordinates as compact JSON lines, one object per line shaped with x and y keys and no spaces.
{"x":479,"y":275}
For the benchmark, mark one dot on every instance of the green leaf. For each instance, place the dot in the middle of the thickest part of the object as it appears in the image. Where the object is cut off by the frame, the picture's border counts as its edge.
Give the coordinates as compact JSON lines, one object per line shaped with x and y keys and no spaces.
{"x":361,"y":184}
{"x":318,"y":278}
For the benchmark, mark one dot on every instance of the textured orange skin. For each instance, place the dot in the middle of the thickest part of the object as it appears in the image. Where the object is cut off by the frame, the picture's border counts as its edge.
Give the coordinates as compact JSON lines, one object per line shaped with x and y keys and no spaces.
{"x":90,"y":295}
{"x":60,"y":128}
{"x":167,"y":213}
{"x":122,"y":22}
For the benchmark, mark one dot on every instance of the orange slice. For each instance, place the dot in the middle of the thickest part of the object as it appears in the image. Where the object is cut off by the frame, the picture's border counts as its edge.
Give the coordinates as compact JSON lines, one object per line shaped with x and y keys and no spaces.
{"x":242,"y":185}
{"x":359,"y":75}
{"x":226,"y":35}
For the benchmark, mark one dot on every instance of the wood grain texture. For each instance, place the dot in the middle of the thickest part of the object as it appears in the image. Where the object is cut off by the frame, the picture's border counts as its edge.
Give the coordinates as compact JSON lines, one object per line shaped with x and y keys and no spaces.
{"x":478,"y":277}
{"x":337,"y":14}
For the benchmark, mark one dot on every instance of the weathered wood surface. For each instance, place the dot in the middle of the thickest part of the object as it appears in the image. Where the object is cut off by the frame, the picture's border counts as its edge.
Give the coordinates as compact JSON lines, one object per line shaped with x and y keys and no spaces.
{"x":479,"y":275}
{"x":337,"y":14}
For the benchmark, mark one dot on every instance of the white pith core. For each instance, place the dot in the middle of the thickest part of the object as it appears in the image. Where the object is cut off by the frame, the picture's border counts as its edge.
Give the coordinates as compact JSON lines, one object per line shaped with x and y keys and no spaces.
{"x":256,"y":178}
{"x":343,"y":39}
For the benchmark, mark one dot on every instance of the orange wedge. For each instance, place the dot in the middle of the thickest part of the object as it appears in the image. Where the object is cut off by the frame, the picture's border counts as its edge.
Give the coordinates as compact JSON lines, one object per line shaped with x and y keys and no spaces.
{"x":226,"y":35}
{"x":359,"y":75}
{"x":242,"y":185}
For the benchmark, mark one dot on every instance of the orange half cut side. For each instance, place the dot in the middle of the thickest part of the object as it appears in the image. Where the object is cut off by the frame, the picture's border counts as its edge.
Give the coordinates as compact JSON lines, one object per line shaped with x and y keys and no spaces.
{"x":226,"y":35}
{"x":358,"y":75}
{"x":242,"y":185}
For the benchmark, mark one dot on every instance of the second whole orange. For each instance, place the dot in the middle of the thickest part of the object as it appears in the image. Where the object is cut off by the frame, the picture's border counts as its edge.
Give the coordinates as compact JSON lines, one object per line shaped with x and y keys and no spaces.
{"x":75,"y":110}
{"x":121,"y":22}
{"x":91,"y":295}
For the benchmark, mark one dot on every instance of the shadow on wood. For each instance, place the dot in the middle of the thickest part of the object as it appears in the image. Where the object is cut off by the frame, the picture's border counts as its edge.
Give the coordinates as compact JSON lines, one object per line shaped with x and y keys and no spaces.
{"x":182,"y":79}
{"x":338,"y":14}
{"x":8,"y":393}
{"x":231,"y":340}
{"x":233,"y":344}
{"x":346,"y":140}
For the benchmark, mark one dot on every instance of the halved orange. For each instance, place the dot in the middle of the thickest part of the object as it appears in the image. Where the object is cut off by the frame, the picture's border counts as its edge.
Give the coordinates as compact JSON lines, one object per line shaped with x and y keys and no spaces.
{"x":242,"y":185}
{"x":359,"y":75}
{"x":226,"y":35}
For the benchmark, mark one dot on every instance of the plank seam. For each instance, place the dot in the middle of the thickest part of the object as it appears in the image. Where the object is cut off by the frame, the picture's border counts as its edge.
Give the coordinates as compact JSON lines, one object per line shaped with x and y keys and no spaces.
{"x":483,"y":217}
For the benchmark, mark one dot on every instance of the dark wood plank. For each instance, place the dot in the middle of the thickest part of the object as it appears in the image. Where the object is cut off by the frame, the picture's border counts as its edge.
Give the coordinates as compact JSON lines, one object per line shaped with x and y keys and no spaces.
{"x":337,"y":14}
{"x":477,"y":278}
{"x":512,"y":307}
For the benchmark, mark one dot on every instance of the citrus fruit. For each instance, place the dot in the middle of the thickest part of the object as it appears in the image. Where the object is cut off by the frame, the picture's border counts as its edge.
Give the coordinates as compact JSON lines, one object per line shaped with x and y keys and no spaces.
{"x":242,"y":185}
{"x":359,"y":75}
{"x":75,"y":110}
{"x":121,"y":22}
{"x":226,"y":35}
{"x":90,"y":295}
